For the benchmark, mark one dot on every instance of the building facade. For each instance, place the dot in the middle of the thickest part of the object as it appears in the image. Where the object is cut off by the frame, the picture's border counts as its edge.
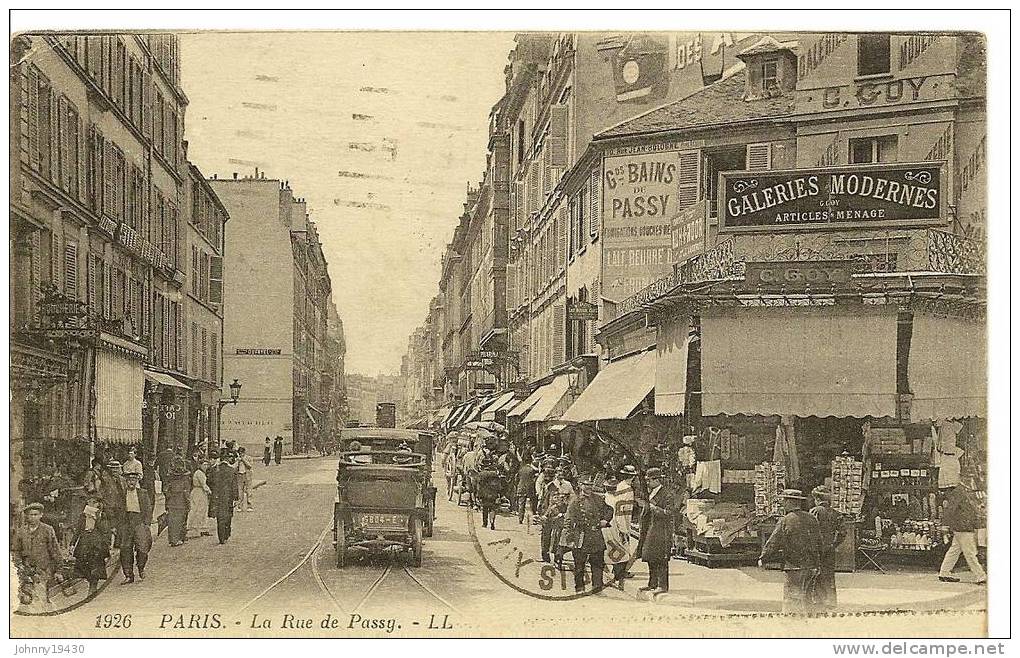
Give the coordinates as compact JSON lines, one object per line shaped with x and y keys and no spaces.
{"x":276,"y":319}
{"x":99,"y":263}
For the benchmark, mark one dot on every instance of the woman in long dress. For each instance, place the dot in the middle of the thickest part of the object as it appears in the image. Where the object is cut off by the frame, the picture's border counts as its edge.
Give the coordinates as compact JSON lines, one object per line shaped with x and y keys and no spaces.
{"x":198,"y":519}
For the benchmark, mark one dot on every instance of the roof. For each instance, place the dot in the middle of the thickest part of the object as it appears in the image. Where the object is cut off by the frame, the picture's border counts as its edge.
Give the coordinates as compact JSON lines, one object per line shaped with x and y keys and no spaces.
{"x":718,"y":103}
{"x":767,"y":45}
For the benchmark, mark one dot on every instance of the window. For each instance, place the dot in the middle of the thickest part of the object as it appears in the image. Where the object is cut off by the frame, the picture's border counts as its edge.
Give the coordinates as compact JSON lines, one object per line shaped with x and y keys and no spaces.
{"x":873,"y":54}
{"x":770,"y":74}
{"x":520,"y":141}
{"x":873,"y":149}
{"x":715,"y":162}
{"x":205,"y":354}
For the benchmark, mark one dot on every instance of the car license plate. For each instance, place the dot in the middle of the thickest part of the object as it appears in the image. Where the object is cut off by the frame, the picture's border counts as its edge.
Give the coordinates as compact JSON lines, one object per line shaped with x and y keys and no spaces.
{"x":383,"y":520}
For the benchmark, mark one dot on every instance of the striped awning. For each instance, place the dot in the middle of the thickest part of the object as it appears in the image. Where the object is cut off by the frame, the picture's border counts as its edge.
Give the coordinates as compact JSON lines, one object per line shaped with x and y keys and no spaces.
{"x":500,"y":403}
{"x":551,"y":403}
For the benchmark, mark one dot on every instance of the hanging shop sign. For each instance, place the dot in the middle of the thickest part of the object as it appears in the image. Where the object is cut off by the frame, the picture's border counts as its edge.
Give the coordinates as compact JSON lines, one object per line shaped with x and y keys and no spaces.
{"x":582,"y":311}
{"x":793,"y":275}
{"x":258,"y":351}
{"x":856,"y":196}
{"x":474,"y":364}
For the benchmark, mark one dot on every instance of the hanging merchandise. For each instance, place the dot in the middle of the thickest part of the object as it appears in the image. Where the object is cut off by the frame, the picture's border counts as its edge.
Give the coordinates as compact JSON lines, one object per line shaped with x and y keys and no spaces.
{"x":847,"y":485}
{"x":947,"y":452}
{"x":769,"y":482}
{"x":785,"y":452}
{"x":708,"y":477}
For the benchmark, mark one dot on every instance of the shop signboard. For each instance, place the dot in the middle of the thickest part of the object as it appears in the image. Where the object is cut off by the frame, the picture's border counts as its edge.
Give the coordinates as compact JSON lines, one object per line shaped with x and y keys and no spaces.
{"x":791,"y":276}
{"x":582,"y":311}
{"x":258,"y":351}
{"x":640,"y":200}
{"x":855,"y":196}
{"x":689,"y":232}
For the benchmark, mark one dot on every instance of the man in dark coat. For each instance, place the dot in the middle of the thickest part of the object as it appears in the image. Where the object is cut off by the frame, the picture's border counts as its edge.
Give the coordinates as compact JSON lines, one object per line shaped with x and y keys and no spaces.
{"x":526,"y":493}
{"x":178,"y":500}
{"x":556,"y":495}
{"x":488,"y":486}
{"x":92,"y":543}
{"x":225,"y":493}
{"x":656,"y":539}
{"x":278,"y":450}
{"x":831,"y":533}
{"x":795,"y":540}
{"x":963,"y":514}
{"x":586,"y":515}
{"x":36,"y":554}
{"x":133,"y":529}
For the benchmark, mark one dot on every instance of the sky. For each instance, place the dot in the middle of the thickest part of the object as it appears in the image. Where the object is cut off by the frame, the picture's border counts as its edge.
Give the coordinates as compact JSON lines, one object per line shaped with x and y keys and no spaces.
{"x":380,"y":132}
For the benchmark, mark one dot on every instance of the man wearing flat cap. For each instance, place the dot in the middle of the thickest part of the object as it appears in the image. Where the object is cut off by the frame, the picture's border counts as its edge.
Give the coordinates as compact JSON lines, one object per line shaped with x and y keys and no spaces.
{"x":133,"y":528}
{"x":795,"y":540}
{"x":586,"y":515}
{"x":656,"y":539}
{"x":36,"y":554}
{"x":830,"y":531}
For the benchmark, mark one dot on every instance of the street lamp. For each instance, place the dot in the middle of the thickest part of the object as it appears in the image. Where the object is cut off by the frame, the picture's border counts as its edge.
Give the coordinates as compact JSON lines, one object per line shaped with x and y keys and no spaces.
{"x":235,"y":393}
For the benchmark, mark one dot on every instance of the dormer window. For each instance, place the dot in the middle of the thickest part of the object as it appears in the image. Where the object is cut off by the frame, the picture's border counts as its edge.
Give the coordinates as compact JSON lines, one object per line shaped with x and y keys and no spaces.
{"x":770,"y":74}
{"x":873,"y":54}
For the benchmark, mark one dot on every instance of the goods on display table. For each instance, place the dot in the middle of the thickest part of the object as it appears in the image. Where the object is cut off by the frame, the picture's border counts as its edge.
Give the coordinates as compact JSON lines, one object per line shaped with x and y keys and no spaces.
{"x":769,"y":482}
{"x":847,"y":485}
{"x":722,"y":534}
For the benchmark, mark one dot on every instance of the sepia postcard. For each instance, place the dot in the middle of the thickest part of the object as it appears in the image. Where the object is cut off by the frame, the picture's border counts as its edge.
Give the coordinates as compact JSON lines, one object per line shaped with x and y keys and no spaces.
{"x":519,"y":333}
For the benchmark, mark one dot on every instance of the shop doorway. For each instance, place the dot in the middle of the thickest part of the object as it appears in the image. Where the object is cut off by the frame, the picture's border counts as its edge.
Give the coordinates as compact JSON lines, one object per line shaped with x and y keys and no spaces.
{"x":820,"y":440}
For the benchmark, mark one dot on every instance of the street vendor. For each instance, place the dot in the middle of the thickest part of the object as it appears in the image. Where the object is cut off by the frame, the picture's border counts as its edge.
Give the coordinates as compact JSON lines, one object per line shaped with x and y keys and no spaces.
{"x":795,"y":540}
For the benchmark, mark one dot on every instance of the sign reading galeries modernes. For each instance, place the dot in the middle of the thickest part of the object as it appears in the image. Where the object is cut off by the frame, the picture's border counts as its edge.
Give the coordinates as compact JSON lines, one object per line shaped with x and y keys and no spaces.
{"x":861,"y":196}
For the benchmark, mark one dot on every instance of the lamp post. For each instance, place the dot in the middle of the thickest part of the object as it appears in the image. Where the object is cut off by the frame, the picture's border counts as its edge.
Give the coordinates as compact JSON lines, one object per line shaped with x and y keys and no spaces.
{"x":235,"y":393}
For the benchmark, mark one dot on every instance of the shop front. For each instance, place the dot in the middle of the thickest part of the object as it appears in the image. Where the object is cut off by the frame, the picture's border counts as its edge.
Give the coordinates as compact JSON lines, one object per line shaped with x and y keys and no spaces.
{"x":871,"y":391}
{"x":168,"y":406}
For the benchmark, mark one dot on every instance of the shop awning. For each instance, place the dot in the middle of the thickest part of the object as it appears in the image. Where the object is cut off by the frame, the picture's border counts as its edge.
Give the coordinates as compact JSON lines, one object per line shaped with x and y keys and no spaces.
{"x":946,"y":368}
{"x":616,"y":390}
{"x":809,"y":361}
{"x":460,"y":415}
{"x":672,"y":342}
{"x":120,"y":382}
{"x":498,"y":404}
{"x":165,"y":379}
{"x":525,"y":406}
{"x":552,"y":401}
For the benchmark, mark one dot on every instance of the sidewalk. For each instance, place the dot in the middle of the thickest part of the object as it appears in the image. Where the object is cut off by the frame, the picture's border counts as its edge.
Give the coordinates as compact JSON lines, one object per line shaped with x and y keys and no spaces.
{"x":80,"y":595}
{"x":753,"y":589}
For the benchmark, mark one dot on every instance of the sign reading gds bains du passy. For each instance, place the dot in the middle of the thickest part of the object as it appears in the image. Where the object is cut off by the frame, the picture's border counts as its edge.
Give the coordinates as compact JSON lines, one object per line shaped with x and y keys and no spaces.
{"x":855,"y":196}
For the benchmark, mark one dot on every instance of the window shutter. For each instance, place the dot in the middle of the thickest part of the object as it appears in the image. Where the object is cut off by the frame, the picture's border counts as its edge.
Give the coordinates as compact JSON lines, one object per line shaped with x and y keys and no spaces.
{"x":81,"y":162}
{"x":194,"y":349}
{"x":689,"y":178}
{"x":109,"y":192}
{"x":36,"y":272}
{"x":56,"y":258}
{"x":54,"y":137}
{"x":511,"y":285}
{"x":214,"y":361}
{"x":23,"y":112}
{"x":759,"y":156}
{"x":595,"y":203}
{"x":71,"y":269}
{"x":147,"y":105}
{"x":559,"y":319}
{"x":534,"y":197}
{"x":557,"y":142}
{"x":203,"y":291}
{"x":60,"y":140}
{"x":562,"y":228}
{"x":107,"y":294}
{"x":216,"y":279}
{"x":91,"y":277}
{"x":194,"y":270}
{"x":33,"y":117}
{"x":205,"y":351}
{"x":164,"y":329}
{"x":116,"y":301}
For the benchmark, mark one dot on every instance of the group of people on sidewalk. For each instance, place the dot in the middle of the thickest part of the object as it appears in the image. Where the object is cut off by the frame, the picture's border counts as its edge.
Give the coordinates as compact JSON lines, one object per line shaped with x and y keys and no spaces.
{"x":118,"y":513}
{"x":587,"y":516}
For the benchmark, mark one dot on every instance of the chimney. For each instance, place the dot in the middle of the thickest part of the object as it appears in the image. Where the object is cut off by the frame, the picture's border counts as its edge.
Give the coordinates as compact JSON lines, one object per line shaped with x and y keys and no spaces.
{"x":256,"y":173}
{"x":235,"y":175}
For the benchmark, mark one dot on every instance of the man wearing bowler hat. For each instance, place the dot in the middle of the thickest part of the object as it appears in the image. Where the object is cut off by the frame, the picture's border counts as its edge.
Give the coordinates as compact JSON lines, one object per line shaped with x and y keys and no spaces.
{"x":795,"y":540}
{"x":656,"y":541}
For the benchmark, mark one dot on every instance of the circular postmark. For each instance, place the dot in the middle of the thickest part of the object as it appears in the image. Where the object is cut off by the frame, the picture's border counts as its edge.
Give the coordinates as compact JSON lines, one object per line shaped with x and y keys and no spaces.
{"x":513,"y":551}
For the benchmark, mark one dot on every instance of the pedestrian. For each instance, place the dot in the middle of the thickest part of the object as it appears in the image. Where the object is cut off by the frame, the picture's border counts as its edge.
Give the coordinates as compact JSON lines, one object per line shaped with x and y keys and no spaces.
{"x":131,"y":464}
{"x":148,"y":481}
{"x":92,"y":480}
{"x":831,"y":533}
{"x":198,"y":516}
{"x":244,"y":471}
{"x":133,"y":529}
{"x":586,"y":515}
{"x":795,"y":540}
{"x":526,"y":494}
{"x":553,"y":507}
{"x":36,"y":555}
{"x":655,"y":543}
{"x":111,"y":489}
{"x":963,"y":514}
{"x":278,"y":450}
{"x":450,"y":469}
{"x":267,"y":452}
{"x":488,"y":487}
{"x":621,"y":499}
{"x":178,"y":501}
{"x":163,"y":466}
{"x":224,"y":489}
{"x":210,"y":475}
{"x":92,"y":543}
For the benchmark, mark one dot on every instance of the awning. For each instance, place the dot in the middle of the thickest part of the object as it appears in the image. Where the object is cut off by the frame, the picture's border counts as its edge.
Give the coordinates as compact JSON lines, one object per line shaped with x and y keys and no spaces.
{"x":616,"y":390}
{"x":165,"y":379}
{"x":524,"y":407}
{"x":946,"y":368}
{"x":119,"y":387}
{"x":460,"y":415}
{"x":672,"y":341}
{"x":498,"y":404}
{"x":552,"y":401}
{"x":809,"y":361}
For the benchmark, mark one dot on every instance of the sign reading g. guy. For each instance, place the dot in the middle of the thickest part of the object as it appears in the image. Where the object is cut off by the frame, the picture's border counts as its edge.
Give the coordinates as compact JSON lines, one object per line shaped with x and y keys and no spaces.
{"x":886,"y":194}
